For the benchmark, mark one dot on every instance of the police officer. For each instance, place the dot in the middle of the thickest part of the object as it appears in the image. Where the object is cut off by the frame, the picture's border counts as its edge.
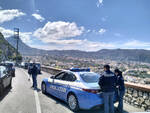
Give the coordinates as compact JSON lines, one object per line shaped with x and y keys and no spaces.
{"x":34,"y":72}
{"x":107,"y":83}
{"x":120,"y":89}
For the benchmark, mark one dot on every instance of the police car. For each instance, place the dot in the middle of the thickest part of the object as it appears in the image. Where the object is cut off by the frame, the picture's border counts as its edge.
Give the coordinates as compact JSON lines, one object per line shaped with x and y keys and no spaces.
{"x":78,"y":87}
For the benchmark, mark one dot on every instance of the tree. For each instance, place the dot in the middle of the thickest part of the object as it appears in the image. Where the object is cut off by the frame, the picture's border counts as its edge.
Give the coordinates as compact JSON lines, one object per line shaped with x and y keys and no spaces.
{"x":19,"y":58}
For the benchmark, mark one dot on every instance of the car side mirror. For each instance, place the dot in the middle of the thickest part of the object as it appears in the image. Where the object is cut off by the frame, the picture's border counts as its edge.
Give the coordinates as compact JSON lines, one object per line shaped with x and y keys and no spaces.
{"x":52,"y":77}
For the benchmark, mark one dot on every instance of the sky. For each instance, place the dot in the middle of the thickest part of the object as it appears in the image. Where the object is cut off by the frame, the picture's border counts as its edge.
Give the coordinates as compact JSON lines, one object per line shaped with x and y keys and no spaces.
{"x":87,"y":25}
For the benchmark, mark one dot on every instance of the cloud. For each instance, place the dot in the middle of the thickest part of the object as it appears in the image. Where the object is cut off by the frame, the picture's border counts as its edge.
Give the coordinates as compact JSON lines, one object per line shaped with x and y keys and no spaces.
{"x":103,"y":19}
{"x":59,"y":30}
{"x":83,"y":45}
{"x":117,"y":34}
{"x":37,"y":10}
{"x":6,"y":32}
{"x":102,"y":31}
{"x":88,"y":30}
{"x":38,"y":17}
{"x":8,"y":15}
{"x":62,"y":36}
{"x":136,"y":44}
{"x":86,"y":45}
{"x":99,"y":3}
{"x":25,"y":36}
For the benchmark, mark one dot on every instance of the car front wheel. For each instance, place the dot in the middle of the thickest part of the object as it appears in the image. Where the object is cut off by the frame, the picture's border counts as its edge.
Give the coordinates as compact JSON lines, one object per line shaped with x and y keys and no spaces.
{"x":10,"y":84}
{"x":43,"y":88}
{"x":73,"y":102}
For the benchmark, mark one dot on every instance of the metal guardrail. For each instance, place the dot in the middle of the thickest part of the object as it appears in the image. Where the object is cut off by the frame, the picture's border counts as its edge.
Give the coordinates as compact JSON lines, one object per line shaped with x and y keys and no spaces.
{"x":137,"y":95}
{"x":127,"y":84}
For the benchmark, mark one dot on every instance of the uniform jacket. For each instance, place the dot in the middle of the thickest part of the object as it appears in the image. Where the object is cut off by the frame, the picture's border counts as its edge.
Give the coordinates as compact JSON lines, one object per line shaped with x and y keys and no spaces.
{"x":120,"y":82}
{"x":34,"y":70}
{"x":108,"y":82}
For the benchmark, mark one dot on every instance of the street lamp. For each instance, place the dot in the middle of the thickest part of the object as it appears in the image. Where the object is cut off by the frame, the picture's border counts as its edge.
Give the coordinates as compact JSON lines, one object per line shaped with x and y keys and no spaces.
{"x":16,"y":36}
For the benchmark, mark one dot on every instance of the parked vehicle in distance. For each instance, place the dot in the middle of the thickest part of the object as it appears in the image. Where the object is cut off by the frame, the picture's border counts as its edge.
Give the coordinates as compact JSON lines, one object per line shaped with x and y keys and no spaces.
{"x":77,"y":87}
{"x":30,"y":65}
{"x":5,"y":79}
{"x":38,"y":65}
{"x":22,"y":65}
{"x":10,"y":67}
{"x":26,"y":65}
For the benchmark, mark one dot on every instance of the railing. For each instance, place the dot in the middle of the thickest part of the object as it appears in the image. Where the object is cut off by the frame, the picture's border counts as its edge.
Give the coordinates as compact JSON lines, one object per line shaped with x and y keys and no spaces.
{"x":50,"y":70}
{"x":136,"y":94}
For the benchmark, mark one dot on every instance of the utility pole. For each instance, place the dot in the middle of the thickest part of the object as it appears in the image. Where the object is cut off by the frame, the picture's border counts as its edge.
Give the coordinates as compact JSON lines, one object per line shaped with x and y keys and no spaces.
{"x":16,"y":36}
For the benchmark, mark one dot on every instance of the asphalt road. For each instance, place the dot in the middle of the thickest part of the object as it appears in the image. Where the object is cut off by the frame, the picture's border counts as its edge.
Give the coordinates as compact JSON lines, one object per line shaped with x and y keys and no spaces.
{"x":21,"y":98}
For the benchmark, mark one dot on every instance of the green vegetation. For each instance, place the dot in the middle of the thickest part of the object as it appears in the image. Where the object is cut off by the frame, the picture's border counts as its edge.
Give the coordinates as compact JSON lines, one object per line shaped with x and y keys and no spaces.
{"x":19,"y":58}
{"x":7,"y":52}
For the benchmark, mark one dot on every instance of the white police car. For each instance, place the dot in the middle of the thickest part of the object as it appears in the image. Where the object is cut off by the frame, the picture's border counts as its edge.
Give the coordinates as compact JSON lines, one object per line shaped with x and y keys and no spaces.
{"x":78,"y":87}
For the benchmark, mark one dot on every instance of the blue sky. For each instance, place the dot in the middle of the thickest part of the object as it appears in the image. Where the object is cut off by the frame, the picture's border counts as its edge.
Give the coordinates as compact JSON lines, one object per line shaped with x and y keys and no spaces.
{"x":87,"y":25}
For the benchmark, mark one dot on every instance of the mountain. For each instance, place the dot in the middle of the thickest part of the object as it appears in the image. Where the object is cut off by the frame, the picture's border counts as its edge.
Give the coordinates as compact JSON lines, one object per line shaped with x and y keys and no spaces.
{"x":7,"y":51}
{"x":140,"y":55}
{"x":112,"y":54}
{"x":23,"y":48}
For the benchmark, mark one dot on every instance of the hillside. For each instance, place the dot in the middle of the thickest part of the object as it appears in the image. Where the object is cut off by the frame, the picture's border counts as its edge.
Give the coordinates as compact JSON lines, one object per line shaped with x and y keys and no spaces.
{"x":7,"y":51}
{"x":112,"y":54}
{"x":23,"y":48}
{"x":140,"y":55}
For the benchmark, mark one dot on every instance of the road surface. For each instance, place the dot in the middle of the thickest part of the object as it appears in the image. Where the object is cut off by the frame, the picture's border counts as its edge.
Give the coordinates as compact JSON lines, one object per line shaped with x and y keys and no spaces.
{"x":21,"y":98}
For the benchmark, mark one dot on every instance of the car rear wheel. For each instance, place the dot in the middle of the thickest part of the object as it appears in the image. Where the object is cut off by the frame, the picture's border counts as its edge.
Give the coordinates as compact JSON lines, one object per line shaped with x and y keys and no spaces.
{"x":73,"y":102}
{"x":1,"y":90}
{"x":43,"y":88}
{"x":10,"y":84}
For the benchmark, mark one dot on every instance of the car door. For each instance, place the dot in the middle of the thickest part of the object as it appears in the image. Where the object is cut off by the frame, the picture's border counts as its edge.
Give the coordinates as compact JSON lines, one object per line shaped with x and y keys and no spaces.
{"x":8,"y":76}
{"x":61,"y":85}
{"x":3,"y":77}
{"x":50,"y":87}
{"x":64,"y":84}
{"x":54,"y":85}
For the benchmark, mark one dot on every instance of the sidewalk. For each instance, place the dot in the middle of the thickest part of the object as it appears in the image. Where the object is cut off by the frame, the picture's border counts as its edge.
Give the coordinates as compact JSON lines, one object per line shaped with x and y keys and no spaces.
{"x":129,"y":108}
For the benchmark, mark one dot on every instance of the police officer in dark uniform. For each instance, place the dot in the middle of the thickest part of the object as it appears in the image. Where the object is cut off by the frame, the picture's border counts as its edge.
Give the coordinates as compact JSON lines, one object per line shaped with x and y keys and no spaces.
{"x":120,"y":89}
{"x":107,"y":82}
{"x":34,"y":72}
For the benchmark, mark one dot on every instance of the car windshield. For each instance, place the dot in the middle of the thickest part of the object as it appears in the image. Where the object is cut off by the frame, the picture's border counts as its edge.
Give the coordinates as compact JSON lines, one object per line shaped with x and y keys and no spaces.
{"x":90,"y":77}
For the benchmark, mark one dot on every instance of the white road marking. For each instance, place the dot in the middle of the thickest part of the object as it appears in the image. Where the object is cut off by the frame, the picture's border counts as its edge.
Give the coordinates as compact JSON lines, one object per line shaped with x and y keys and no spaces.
{"x":38,"y":107}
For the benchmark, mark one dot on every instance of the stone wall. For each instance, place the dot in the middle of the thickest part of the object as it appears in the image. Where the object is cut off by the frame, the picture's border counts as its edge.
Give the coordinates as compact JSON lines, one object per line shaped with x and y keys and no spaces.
{"x":136,"y":95}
